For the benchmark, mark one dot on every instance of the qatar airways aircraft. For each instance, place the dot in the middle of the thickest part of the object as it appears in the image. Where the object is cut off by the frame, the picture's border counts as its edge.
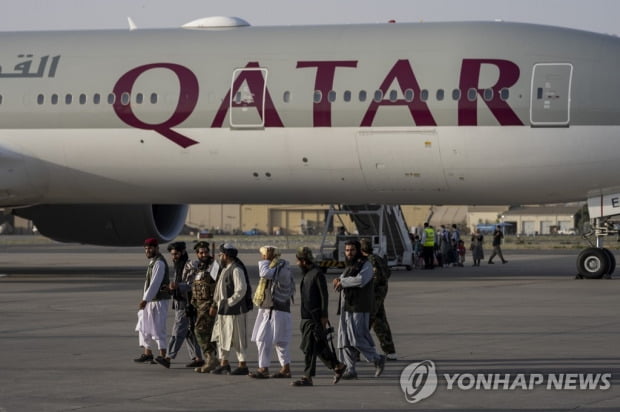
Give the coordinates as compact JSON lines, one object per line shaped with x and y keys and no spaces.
{"x":105,"y":136}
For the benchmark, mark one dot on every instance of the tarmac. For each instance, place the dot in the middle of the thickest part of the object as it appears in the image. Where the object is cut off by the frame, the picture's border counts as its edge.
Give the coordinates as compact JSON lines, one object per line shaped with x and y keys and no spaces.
{"x":67,"y":340}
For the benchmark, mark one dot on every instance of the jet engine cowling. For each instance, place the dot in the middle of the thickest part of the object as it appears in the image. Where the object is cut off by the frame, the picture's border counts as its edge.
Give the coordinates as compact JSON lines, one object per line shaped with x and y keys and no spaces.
{"x":107,"y":225}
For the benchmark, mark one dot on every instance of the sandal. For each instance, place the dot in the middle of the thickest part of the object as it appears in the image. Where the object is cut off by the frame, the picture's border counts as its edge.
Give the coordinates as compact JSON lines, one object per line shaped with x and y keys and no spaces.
{"x":338,"y":372}
{"x":281,"y":375}
{"x":258,"y":374}
{"x":302,"y":382}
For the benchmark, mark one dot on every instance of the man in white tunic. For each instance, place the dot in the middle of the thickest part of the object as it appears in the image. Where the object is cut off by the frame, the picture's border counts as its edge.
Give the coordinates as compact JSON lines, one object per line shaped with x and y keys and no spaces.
{"x":153,"y":308}
{"x":273,"y":326}
{"x":356,"y":300}
{"x":232,"y":300}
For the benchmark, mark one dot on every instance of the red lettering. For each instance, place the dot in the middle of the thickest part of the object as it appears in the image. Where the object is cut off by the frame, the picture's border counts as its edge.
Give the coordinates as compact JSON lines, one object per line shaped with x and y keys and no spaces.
{"x":324,"y":82}
{"x":255,"y":82}
{"x":188,"y":97}
{"x":403,"y":73}
{"x":470,"y":78}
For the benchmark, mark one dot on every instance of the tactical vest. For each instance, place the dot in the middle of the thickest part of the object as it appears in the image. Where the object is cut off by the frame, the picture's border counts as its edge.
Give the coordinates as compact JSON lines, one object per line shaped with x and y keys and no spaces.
{"x":164,"y":292}
{"x":358,"y":299}
{"x":203,"y":288}
{"x":381,"y":271}
{"x":228,"y":288}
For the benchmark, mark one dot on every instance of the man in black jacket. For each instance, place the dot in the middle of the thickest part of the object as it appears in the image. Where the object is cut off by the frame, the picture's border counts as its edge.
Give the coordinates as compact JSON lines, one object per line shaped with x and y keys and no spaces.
{"x":314,"y":320}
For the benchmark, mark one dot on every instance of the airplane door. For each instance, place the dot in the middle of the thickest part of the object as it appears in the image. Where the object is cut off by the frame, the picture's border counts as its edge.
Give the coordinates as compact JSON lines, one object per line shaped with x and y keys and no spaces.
{"x":247,"y":97}
{"x":401,"y":160}
{"x":550,"y":97}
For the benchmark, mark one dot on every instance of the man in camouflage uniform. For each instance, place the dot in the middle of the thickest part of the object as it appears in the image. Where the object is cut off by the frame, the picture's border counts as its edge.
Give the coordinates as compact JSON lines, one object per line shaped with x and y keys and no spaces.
{"x":202,"y":299}
{"x":184,"y":313}
{"x":378,"y":317}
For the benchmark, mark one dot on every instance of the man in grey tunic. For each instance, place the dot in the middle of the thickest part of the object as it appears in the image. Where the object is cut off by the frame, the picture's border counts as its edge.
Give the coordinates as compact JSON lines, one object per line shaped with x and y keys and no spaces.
{"x":356,"y":300}
{"x":232,"y":301}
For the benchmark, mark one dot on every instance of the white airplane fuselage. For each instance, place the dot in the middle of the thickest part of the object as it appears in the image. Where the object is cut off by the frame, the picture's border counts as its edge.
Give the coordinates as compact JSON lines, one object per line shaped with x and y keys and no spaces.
{"x":431,"y":113}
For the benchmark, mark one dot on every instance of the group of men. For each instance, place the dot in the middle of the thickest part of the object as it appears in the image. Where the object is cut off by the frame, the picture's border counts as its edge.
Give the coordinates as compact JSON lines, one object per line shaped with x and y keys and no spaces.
{"x":212,"y":297}
{"x":211,"y":300}
{"x":441,"y":246}
{"x":448,"y":249}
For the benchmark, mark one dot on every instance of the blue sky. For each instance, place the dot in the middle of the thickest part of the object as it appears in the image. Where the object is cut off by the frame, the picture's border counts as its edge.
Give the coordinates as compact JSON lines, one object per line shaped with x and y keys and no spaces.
{"x":594,"y":15}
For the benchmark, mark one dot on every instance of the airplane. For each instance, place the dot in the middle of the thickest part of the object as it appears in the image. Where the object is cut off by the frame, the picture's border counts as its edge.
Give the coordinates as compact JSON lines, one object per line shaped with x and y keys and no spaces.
{"x":107,"y":135}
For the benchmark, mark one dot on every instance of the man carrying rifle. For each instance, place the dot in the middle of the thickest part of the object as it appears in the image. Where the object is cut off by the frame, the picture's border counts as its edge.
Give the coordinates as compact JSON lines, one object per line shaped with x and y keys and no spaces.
{"x":314,"y":320}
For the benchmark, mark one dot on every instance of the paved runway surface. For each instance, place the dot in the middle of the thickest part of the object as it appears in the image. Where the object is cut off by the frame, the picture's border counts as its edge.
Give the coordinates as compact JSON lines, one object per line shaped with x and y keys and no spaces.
{"x":67,"y":340}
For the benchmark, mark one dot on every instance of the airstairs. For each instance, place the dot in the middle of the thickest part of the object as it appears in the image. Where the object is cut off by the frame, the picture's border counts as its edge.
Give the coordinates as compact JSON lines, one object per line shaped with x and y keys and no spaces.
{"x":384,"y":225}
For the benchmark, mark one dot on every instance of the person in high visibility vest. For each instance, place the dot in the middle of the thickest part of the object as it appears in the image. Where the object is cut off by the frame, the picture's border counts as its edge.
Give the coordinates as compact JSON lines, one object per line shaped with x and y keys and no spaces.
{"x":428,"y":246}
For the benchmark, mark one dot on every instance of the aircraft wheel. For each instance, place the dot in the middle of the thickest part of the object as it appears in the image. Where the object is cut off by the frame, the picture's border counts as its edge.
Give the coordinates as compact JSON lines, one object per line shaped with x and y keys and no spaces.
{"x":612,"y":261}
{"x":593,"y":263}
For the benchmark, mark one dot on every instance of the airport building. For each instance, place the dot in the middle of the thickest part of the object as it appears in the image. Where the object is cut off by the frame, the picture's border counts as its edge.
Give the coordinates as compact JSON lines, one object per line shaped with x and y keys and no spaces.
{"x":311,"y":219}
{"x":291,"y":219}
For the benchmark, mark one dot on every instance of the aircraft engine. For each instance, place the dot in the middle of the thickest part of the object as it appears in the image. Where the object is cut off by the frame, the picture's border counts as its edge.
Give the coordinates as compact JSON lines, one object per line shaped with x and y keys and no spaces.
{"x":107,"y":225}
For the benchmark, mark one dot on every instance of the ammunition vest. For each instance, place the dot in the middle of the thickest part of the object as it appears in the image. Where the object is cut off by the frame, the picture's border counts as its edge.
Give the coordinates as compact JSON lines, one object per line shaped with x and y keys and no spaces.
{"x":380,"y":270}
{"x":203,"y":288}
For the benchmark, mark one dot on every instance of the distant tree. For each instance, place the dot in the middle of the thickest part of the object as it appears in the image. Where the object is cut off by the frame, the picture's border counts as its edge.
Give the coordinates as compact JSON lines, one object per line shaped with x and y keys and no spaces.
{"x":582,"y":219}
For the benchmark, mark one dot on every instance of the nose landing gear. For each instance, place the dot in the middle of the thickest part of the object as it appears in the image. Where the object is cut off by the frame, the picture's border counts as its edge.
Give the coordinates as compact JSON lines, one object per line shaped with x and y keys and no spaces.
{"x":597,"y":262}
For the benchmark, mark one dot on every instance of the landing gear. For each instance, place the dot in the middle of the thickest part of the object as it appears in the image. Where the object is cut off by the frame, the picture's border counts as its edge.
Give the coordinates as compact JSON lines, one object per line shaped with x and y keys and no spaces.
{"x":593,"y":263}
{"x":596,"y":262}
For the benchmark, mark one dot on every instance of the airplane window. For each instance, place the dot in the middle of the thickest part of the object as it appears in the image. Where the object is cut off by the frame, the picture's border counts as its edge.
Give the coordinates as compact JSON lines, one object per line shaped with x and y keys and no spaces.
{"x":456,"y":94}
{"x":393,"y":95}
{"x":111,"y":98}
{"x":424,"y":95}
{"x":286,"y":97}
{"x":409,"y":95}
{"x":504,"y":94}
{"x":125,"y":98}
{"x":54,"y":99}
{"x":139,"y":98}
{"x":331,"y":96}
{"x":378,"y":96}
{"x":153,"y":98}
{"x":82,"y":98}
{"x":362,"y":95}
{"x":346,"y":96}
{"x":440,"y":94}
{"x":318,"y":96}
{"x":96,"y":98}
{"x":68,"y":99}
{"x":471,"y":94}
{"x":40,"y":99}
{"x":488,"y":94}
